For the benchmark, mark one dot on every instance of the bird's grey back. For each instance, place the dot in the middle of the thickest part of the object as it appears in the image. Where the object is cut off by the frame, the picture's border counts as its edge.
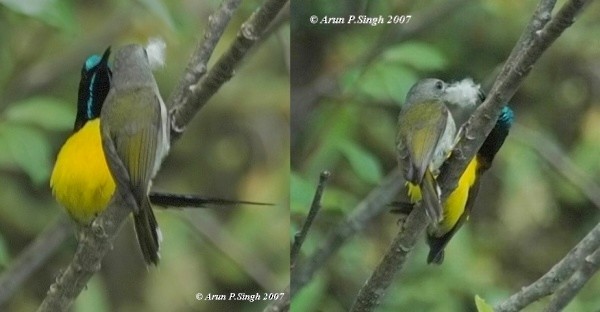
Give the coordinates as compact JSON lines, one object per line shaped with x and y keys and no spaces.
{"x":131,"y":68}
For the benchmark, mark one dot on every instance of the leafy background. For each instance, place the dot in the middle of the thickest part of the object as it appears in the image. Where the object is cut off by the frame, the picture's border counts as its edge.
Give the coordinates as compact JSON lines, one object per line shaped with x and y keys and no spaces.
{"x":345,"y":106}
{"x":237,"y":147}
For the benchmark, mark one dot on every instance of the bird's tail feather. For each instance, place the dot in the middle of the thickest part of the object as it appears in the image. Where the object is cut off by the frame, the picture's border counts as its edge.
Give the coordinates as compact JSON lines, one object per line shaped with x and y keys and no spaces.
{"x":431,"y":197}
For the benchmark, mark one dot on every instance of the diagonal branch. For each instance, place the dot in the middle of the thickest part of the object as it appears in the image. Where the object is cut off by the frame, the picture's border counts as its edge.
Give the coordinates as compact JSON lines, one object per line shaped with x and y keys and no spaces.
{"x":568,"y":290}
{"x":249,"y":34}
{"x":97,"y":239}
{"x":198,"y":63}
{"x":538,"y":36}
{"x":371,"y":293}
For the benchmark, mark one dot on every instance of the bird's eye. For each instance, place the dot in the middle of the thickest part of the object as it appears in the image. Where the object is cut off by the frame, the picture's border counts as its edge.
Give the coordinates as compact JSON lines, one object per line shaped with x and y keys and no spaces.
{"x":439,"y":85}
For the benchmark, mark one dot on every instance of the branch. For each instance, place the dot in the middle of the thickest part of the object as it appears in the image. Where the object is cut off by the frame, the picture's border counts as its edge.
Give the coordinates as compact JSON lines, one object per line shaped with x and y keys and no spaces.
{"x":97,"y":239}
{"x":371,"y":293}
{"x":34,"y":256}
{"x":198,"y":94}
{"x":536,"y":38}
{"x":312,"y":213}
{"x":94,"y":243}
{"x":550,"y":281}
{"x":198,"y":63}
{"x":567,"y":291}
{"x":373,"y":205}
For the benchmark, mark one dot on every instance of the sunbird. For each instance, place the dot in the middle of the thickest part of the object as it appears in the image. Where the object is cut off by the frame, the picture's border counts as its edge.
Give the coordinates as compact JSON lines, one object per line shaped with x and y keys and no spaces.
{"x":81,"y":180}
{"x":456,"y":208}
{"x":135,"y":138}
{"x":459,"y":203}
{"x":426,"y":135}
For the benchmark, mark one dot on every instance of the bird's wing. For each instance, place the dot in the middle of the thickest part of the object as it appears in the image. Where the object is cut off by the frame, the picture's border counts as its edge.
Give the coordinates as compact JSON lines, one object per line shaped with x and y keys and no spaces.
{"x":134,"y":134}
{"x":419,"y":141}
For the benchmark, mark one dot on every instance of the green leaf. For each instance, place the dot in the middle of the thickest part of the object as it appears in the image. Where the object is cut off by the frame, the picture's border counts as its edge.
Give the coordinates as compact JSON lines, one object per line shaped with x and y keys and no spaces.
{"x":365,"y":165}
{"x":48,"y":113}
{"x":481,"y":305}
{"x":52,"y":12}
{"x":28,"y":149}
{"x":158,"y":8}
{"x":418,"y":55}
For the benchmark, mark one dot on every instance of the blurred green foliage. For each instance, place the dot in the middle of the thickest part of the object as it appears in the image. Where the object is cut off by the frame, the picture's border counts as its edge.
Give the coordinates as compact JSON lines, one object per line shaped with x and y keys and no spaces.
{"x":237,"y":147}
{"x":348,"y":82}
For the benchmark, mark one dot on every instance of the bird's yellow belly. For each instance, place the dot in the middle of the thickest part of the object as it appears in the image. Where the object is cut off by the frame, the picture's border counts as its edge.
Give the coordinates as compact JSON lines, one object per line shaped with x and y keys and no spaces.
{"x":81,"y":181}
{"x":454,"y":206}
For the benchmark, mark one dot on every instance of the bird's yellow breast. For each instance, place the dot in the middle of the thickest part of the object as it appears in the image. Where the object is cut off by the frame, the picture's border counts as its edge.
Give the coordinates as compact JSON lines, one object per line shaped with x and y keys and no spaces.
{"x":454,"y":206}
{"x":81,"y":181}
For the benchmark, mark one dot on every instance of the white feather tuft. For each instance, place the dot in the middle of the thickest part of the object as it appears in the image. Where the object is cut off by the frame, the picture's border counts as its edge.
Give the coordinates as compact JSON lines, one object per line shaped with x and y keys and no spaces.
{"x":156,"y":52}
{"x":464,"y":93}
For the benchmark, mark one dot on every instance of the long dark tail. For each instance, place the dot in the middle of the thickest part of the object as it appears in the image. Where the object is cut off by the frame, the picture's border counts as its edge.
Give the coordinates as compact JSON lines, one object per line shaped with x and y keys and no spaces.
{"x":186,"y":200}
{"x":148,"y":233}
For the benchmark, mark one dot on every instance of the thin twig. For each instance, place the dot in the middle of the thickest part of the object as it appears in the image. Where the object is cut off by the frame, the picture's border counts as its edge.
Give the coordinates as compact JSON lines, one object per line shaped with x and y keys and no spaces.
{"x":312,"y":213}
{"x":560,"y":272}
{"x":97,"y":239}
{"x":33,"y":257}
{"x":568,"y":290}
{"x":373,"y":205}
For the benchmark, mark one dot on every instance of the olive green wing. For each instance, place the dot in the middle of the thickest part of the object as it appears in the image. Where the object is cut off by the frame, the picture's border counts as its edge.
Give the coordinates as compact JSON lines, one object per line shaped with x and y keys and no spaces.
{"x":420,"y":129}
